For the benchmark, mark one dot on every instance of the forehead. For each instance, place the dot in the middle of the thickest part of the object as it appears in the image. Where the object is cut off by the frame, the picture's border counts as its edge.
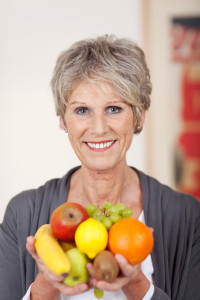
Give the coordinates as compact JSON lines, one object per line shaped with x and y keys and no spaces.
{"x":90,"y":90}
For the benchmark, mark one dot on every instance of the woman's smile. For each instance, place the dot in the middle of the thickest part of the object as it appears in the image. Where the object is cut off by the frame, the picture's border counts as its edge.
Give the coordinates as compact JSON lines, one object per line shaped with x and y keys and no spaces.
{"x":100,"y":146}
{"x":100,"y":125}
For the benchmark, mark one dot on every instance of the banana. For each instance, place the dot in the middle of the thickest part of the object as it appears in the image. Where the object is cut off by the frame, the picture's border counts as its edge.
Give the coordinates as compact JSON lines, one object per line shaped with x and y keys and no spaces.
{"x":50,"y":251}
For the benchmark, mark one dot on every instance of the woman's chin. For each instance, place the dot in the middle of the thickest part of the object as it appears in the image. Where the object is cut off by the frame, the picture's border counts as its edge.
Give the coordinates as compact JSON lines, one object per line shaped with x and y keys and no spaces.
{"x":101,"y":166}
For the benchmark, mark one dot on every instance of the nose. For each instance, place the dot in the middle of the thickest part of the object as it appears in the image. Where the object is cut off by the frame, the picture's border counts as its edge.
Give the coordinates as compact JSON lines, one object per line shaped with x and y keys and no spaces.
{"x":99,"y":125}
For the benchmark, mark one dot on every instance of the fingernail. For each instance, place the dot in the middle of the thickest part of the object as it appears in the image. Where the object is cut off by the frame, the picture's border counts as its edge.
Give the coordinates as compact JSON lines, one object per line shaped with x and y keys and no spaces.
{"x":94,"y":282}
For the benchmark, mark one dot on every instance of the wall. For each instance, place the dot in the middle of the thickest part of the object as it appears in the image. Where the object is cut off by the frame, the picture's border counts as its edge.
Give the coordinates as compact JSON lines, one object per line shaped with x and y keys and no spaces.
{"x":33,"y":33}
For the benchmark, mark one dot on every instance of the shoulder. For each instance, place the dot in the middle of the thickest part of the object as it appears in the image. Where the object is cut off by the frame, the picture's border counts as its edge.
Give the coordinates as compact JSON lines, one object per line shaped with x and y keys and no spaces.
{"x":28,"y":198}
{"x":175,"y":200}
{"x":168,"y":201}
{"x":38,"y":200}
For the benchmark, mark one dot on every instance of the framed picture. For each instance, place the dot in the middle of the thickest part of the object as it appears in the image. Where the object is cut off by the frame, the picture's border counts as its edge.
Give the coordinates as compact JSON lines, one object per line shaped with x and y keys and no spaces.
{"x":172,"y":43}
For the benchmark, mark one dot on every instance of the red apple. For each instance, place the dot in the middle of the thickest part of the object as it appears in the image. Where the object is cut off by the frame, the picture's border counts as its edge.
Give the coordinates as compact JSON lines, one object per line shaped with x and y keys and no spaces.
{"x":65,"y":219}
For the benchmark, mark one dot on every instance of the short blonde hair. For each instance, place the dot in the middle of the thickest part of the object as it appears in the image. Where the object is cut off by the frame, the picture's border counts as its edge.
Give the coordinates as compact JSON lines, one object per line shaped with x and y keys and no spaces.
{"x":119,"y":61}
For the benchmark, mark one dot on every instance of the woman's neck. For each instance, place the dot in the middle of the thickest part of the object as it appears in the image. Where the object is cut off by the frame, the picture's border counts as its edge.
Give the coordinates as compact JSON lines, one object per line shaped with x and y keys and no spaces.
{"x":114,"y":185}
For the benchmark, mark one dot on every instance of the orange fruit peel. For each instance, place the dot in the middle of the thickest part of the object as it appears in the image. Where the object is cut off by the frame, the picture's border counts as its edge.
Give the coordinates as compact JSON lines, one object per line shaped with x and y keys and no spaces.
{"x":132,"y":239}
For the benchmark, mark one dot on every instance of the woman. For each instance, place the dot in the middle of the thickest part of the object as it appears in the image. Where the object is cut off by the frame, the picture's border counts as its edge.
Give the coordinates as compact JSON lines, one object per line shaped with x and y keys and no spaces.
{"x":102,"y":90}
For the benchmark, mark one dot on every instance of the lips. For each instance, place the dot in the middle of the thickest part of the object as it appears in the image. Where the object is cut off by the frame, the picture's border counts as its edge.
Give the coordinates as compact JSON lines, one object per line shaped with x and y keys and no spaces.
{"x":103,"y":145}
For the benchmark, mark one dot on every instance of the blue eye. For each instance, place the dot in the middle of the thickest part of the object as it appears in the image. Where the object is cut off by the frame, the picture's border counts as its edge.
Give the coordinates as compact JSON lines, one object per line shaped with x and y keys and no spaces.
{"x":113,"y":109}
{"x":81,"y":110}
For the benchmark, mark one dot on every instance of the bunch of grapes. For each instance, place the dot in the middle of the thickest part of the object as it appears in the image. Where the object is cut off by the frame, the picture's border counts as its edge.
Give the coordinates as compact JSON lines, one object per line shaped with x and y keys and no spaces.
{"x":109,"y":214}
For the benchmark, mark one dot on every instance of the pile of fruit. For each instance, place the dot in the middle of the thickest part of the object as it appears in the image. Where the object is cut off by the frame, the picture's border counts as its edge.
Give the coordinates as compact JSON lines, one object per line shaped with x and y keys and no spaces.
{"x":77,"y":235}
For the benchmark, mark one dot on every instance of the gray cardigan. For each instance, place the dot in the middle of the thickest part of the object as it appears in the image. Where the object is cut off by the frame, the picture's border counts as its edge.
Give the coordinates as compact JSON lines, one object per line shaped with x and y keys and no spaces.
{"x":174,"y":216}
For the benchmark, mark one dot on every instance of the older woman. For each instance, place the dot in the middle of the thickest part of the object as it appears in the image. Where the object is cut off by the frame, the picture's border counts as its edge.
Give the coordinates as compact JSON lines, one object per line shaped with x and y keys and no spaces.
{"x":102,"y":90}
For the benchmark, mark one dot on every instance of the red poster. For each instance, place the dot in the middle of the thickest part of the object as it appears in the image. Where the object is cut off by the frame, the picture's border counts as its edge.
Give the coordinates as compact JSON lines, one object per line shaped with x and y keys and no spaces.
{"x":186,"y":51}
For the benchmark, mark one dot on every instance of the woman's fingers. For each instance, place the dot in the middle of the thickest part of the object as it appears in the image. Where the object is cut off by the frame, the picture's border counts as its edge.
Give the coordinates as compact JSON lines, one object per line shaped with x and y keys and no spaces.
{"x":48,"y":275}
{"x":117,"y":284}
{"x":55,"y":280}
{"x":90,"y":269}
{"x":30,"y":246}
{"x":151,"y":229}
{"x":66,"y":290}
{"x":129,"y":273}
{"x":126,"y":269}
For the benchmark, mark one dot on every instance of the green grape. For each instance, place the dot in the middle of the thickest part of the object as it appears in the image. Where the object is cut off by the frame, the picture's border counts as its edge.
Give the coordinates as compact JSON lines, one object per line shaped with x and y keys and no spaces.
{"x":127,"y":213}
{"x":115,"y":218}
{"x":98,"y":215}
{"x":91,"y":208}
{"x":113,"y":210}
{"x":106,"y":205}
{"x":120,"y":207}
{"x":107,"y":222}
{"x":98,"y":293}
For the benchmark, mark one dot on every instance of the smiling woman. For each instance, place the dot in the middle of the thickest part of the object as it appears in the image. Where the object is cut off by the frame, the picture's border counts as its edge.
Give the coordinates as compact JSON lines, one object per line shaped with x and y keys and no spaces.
{"x":102,"y":91}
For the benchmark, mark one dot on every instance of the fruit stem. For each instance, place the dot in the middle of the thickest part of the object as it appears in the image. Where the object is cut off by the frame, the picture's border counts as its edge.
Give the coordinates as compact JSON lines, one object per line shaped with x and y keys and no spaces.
{"x":98,"y":292}
{"x":65,"y":274}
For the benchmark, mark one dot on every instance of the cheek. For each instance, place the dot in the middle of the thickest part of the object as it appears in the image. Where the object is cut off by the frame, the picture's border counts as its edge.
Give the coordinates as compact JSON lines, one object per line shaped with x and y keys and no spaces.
{"x":126,"y":126}
{"x":74,"y":126}
{"x":76,"y":132}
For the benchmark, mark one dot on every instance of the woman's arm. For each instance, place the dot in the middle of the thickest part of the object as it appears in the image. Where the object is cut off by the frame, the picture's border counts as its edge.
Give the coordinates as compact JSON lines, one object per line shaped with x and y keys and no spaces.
{"x":10,"y":267}
{"x":42,"y":289}
{"x":192,"y":290}
{"x":137,"y":288}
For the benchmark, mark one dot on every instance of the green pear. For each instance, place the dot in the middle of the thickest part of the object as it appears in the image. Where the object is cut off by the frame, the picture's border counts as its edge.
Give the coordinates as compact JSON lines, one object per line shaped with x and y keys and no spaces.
{"x":78,"y":272}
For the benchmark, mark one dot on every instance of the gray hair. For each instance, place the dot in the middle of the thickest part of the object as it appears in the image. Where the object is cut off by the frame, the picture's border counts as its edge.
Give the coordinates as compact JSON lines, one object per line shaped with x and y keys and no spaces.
{"x":118,"y":61}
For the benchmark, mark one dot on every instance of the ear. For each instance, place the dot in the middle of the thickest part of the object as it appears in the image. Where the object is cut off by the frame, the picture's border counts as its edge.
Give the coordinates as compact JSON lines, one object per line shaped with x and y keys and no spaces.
{"x":143,"y":118}
{"x":62,"y":124}
{"x":139,"y":127}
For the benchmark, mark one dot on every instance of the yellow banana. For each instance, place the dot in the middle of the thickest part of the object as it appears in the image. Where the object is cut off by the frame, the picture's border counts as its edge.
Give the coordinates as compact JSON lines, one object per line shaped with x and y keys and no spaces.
{"x":50,"y":251}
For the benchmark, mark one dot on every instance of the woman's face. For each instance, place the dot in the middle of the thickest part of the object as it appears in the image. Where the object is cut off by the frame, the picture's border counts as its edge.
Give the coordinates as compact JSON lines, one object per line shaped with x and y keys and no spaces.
{"x":100,"y":126}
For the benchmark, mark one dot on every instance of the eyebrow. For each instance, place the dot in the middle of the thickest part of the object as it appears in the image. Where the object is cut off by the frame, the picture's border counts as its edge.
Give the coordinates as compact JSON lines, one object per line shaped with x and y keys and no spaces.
{"x":77,"y":102}
{"x":117,"y":101}
{"x":108,"y":103}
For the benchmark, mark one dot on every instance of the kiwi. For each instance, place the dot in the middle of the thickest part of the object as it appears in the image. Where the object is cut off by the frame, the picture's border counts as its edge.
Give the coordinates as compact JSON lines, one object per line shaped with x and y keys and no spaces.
{"x":105,"y":266}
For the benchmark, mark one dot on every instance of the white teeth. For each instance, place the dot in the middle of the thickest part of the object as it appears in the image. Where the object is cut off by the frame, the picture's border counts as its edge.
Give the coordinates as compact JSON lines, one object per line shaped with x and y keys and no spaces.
{"x":100,"y":145}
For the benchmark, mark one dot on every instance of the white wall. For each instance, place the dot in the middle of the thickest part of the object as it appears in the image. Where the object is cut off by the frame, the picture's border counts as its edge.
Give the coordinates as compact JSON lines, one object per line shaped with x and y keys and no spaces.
{"x":33,"y":32}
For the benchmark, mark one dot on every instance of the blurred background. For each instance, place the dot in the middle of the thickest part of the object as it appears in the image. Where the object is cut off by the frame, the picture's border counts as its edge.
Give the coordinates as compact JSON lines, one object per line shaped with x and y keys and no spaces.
{"x":33,"y":147}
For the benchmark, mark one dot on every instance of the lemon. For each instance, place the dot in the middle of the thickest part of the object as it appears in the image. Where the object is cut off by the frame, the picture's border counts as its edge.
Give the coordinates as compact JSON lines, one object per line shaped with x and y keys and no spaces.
{"x":91,"y":237}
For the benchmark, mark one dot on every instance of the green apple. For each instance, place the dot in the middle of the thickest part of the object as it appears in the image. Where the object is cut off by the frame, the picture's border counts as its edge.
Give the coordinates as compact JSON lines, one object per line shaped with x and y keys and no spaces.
{"x":78,"y":272}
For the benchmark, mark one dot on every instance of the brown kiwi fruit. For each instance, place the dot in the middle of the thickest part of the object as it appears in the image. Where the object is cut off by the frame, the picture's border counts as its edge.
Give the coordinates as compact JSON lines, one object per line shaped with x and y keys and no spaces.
{"x":105,"y":266}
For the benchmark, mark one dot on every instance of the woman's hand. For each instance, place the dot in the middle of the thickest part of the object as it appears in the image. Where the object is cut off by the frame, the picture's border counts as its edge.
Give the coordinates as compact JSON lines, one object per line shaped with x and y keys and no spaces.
{"x":131,"y":280}
{"x":48,"y":285}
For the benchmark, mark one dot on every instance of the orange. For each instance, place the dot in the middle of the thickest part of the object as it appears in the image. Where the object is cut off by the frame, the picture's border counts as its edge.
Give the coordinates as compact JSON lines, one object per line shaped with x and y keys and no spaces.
{"x":132,"y":239}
